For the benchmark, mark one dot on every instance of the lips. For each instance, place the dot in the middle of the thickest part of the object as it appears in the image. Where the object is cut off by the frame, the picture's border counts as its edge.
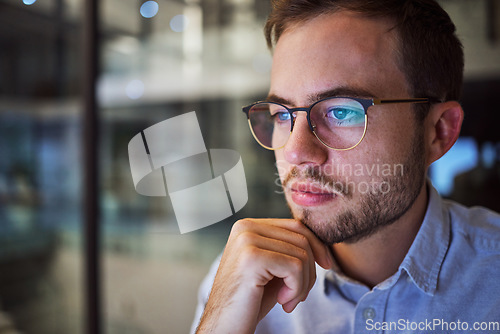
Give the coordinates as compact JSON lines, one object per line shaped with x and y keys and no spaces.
{"x":313,"y":188}
{"x":311,"y":194}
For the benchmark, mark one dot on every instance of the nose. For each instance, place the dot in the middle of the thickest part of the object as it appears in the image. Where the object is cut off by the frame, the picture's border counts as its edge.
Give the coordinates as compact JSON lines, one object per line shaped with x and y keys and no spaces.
{"x":302,"y":146}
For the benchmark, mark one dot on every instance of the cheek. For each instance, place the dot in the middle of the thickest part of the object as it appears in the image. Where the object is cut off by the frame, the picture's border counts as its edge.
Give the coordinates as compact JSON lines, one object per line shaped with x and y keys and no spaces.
{"x":282,"y":166}
{"x":389,"y":134}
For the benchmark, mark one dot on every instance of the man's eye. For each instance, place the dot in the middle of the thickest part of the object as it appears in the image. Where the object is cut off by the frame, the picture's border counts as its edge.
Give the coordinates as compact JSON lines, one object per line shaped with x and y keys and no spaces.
{"x":341,"y":113}
{"x":282,"y":116}
{"x":344,"y":116}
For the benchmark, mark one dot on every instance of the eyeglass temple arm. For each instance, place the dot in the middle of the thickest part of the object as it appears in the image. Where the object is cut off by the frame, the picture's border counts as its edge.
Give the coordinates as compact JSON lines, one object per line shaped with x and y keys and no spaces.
{"x":415,"y":100}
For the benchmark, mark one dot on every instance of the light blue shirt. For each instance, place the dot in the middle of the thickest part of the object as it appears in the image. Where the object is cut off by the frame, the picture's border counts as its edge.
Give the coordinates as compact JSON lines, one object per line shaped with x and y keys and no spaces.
{"x":449,"y":282}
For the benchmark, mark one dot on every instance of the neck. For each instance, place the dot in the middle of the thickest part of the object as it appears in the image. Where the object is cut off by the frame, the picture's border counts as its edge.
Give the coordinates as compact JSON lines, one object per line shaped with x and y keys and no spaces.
{"x":376,"y":258}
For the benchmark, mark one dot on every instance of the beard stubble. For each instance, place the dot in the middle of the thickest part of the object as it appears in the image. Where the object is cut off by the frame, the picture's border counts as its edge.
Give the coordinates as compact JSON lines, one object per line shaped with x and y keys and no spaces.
{"x":374,"y":210}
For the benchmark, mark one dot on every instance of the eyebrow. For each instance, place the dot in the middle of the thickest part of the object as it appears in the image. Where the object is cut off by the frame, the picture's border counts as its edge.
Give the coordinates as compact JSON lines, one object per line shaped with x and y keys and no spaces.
{"x":339,"y":91}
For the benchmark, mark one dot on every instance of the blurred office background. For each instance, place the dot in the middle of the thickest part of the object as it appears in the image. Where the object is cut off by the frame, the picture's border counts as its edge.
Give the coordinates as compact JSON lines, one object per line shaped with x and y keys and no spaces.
{"x":159,"y":59}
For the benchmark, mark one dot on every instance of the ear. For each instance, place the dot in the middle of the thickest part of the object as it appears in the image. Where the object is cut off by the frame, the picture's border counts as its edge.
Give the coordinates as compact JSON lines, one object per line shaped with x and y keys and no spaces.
{"x":443,"y":124}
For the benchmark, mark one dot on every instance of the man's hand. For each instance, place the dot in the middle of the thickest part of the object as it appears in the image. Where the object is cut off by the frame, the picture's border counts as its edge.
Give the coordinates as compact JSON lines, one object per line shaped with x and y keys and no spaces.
{"x":266,"y":261}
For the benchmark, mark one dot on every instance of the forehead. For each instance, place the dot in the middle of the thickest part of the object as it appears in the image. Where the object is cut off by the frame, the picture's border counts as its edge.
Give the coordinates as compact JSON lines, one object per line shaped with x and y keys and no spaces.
{"x":337,"y":50}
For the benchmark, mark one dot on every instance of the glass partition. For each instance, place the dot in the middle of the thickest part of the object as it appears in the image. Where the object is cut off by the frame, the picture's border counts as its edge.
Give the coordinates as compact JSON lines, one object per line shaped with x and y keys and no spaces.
{"x":161,"y":60}
{"x":40,"y":211}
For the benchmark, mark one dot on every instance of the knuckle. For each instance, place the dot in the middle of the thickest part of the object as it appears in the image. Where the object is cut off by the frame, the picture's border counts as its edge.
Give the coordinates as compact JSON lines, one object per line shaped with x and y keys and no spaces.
{"x":302,"y":255}
{"x":296,"y":225}
{"x":240,"y":226}
{"x":302,"y":241}
{"x":246,"y":238}
{"x":249,"y":255}
{"x":296,"y":266}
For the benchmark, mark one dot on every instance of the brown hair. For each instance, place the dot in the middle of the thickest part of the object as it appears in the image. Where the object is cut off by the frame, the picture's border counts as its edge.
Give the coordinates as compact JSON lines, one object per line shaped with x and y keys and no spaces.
{"x":430,"y":55}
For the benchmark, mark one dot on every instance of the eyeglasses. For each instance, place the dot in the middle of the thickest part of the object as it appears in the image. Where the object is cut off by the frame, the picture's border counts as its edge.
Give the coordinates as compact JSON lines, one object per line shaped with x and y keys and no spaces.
{"x":338,"y":122}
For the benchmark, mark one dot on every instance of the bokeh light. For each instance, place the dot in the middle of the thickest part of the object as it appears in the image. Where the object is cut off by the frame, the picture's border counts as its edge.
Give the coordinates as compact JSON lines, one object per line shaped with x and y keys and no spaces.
{"x":149,"y":9}
{"x":135,"y":89}
{"x":179,"y":23}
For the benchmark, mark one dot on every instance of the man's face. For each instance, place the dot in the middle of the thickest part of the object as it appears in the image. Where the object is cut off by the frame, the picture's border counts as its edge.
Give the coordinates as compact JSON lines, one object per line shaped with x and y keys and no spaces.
{"x":347,"y":195}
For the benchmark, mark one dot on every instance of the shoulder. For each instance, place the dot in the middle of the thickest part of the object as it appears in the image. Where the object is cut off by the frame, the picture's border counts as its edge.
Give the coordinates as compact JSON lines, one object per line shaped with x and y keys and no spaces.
{"x":468,"y":276}
{"x":477,"y":226}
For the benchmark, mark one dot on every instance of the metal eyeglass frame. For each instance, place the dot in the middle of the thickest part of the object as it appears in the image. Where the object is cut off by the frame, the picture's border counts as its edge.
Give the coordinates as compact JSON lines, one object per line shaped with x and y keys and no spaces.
{"x":366,"y":103}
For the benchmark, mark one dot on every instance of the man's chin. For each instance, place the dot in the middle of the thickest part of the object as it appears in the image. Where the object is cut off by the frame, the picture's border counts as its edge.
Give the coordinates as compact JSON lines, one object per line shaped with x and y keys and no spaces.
{"x":322,"y":228}
{"x":344,"y":227}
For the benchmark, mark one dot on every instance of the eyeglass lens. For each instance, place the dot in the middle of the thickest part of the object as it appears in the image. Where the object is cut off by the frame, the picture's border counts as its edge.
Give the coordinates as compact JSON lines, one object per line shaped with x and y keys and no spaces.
{"x":337,"y":122}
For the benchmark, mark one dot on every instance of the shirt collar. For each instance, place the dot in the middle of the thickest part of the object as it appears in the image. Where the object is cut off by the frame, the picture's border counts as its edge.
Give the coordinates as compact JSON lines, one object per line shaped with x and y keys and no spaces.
{"x":424,"y":259}
{"x":426,"y":255}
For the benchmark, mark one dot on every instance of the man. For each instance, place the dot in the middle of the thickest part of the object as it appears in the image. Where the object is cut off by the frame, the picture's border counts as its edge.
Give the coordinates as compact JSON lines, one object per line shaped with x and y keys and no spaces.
{"x":369,"y":90}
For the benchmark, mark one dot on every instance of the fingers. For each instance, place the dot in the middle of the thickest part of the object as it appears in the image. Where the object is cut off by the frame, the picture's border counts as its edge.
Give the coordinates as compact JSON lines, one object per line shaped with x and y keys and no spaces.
{"x":268,"y":258}
{"x":279,"y":240}
{"x":266,"y":261}
{"x":291,"y":305}
{"x":286,"y":249}
{"x":321,"y":252}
